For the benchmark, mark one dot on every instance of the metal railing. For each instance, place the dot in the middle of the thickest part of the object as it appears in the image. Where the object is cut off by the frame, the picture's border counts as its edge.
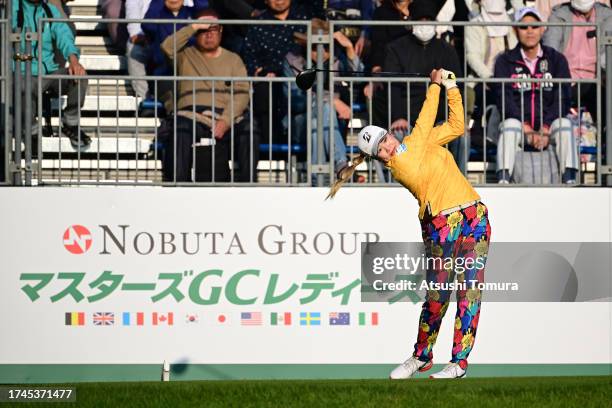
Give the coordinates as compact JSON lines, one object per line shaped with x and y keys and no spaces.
{"x":5,"y":92}
{"x":464,"y":82}
{"x":293,"y":161}
{"x":281,"y":155}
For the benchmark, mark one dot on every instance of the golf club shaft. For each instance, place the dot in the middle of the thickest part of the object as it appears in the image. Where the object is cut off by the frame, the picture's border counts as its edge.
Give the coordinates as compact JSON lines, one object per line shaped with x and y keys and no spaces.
{"x":379,"y":73}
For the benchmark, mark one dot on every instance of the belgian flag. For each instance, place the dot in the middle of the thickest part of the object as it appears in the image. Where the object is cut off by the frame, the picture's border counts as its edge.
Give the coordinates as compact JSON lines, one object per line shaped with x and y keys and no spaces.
{"x":75,"y":319}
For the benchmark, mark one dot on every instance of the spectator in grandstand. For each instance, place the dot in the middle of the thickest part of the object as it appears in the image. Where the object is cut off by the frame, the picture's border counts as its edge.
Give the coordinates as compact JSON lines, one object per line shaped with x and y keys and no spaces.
{"x":117,"y":31}
{"x":483,"y":44}
{"x":345,"y":59}
{"x":213,"y":119}
{"x":349,"y":10}
{"x":390,"y":10}
{"x":57,"y":37}
{"x":579,"y":45}
{"x":64,"y":10}
{"x":265,"y":54}
{"x":157,"y":33}
{"x":137,"y":50}
{"x":545,"y":6}
{"x":523,"y":114}
{"x":233,"y":35}
{"x":420,"y":51}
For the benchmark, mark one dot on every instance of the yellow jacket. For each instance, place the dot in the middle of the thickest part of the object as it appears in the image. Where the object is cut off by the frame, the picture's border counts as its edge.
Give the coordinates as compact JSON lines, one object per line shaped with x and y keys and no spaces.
{"x":424,"y":166}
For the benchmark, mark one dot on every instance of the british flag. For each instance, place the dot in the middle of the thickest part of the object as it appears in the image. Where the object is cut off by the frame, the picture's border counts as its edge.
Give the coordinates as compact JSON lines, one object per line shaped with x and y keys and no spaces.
{"x":103,"y":319}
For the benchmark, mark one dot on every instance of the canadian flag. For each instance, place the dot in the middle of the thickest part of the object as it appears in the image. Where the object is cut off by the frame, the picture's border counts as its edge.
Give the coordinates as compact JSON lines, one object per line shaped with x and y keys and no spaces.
{"x":161,"y":318}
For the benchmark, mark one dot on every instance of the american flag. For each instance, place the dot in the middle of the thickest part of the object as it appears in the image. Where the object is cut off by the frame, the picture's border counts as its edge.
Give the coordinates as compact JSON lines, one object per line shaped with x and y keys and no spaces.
{"x":103,"y":319}
{"x":250,"y":319}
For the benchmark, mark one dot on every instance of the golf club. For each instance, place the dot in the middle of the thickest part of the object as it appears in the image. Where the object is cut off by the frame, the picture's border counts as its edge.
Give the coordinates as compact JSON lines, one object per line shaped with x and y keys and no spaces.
{"x":306,"y":78}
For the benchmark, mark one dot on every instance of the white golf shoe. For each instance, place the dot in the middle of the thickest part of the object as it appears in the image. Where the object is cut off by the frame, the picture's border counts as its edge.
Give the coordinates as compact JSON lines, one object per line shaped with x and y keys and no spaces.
{"x":409,"y":367}
{"x":451,"y":370}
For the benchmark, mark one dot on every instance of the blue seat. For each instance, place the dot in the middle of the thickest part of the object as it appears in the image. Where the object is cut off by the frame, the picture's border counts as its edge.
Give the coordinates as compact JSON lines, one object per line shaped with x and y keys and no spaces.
{"x":359,"y":107}
{"x":282,"y":148}
{"x":588,"y":149}
{"x":150,"y":104}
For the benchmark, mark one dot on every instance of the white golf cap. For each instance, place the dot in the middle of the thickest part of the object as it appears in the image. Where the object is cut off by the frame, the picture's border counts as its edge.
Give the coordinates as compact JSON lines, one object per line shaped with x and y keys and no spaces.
{"x":526,"y":11}
{"x":368,"y":139}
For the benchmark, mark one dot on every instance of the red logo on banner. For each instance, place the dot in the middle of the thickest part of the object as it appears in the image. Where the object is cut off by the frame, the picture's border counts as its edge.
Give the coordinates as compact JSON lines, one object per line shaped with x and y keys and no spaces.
{"x":77,"y":239}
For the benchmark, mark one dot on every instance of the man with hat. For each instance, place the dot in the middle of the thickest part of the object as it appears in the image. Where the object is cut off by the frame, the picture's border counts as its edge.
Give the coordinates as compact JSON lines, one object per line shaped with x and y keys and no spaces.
{"x":533,"y":109}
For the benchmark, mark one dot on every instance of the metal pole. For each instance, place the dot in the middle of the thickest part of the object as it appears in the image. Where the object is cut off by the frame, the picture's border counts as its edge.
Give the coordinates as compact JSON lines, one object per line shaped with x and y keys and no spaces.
{"x":6,"y":94}
{"x":320,"y":89}
{"x":332,"y":110}
{"x":608,"y":44}
{"x":39,"y":99}
{"x":27,"y":117}
{"x":309,"y":109}
{"x":17,"y":111}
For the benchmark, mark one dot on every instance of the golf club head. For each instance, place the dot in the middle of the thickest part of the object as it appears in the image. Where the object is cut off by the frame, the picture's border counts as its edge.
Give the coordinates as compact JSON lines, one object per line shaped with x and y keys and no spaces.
{"x":305,"y":79}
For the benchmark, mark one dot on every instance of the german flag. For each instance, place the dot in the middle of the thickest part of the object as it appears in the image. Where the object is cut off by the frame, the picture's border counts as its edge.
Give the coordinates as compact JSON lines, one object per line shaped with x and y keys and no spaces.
{"x":75,"y":319}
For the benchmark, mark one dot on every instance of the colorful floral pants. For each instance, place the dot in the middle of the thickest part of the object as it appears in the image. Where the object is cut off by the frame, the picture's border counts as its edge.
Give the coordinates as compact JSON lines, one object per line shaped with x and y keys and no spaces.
{"x":457,"y":244}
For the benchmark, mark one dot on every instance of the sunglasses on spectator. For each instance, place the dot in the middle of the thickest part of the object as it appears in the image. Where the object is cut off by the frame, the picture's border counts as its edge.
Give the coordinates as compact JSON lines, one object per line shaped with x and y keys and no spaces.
{"x":524,"y":27}
{"x":212,"y":29}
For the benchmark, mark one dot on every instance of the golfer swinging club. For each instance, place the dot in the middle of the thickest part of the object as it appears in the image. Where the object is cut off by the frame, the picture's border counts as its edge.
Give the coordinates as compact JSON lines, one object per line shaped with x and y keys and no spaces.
{"x":454,"y":222}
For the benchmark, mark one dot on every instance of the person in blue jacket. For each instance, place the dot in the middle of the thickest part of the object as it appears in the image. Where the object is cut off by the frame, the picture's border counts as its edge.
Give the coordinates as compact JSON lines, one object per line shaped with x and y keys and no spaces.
{"x":157,"y":33}
{"x":56,"y":37}
{"x":533,"y":113}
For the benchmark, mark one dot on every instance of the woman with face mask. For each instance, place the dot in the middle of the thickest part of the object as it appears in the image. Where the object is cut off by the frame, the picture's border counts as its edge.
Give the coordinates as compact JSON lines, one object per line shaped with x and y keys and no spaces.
{"x":454,"y":222}
{"x":545,"y":6}
{"x":579,"y":45}
{"x":419,"y":51}
{"x":389,"y":10}
{"x":482,"y":45}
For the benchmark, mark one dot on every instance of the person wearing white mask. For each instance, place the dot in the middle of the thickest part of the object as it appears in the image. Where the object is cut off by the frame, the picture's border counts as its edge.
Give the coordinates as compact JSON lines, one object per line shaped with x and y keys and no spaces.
{"x":419,"y":51}
{"x":545,"y":6}
{"x":579,"y":44}
{"x":482,"y":45}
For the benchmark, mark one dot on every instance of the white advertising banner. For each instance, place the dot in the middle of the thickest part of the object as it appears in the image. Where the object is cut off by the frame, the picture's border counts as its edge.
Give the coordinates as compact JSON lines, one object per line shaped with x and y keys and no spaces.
{"x":261,"y":276}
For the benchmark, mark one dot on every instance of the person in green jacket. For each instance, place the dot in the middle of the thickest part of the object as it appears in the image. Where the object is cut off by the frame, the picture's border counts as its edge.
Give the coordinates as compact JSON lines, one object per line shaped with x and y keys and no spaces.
{"x":56,"y":37}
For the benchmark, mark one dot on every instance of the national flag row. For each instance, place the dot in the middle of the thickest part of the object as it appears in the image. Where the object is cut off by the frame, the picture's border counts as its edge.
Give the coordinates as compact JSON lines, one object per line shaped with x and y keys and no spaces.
{"x":122,"y":319}
{"x":246,"y":319}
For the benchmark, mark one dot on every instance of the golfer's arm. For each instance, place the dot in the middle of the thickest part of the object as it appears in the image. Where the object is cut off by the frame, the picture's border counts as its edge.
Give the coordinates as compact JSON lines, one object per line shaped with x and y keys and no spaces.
{"x":427,"y":116}
{"x":454,"y":127}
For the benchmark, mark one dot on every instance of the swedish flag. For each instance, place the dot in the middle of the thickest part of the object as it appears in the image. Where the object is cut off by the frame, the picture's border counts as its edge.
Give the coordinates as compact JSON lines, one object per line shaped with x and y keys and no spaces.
{"x":310,"y":318}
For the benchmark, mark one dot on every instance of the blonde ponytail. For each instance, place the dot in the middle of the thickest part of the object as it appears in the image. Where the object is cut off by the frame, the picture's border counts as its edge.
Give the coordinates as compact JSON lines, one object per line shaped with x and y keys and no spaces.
{"x":345,"y":174}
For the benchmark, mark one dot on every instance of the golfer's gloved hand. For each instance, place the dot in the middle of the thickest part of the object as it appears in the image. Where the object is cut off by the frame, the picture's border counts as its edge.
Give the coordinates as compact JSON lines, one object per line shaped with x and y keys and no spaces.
{"x":449,"y":80}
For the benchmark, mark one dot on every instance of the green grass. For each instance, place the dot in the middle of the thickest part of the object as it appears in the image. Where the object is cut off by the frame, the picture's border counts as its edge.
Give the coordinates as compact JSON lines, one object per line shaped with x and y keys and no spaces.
{"x":469,"y":392}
